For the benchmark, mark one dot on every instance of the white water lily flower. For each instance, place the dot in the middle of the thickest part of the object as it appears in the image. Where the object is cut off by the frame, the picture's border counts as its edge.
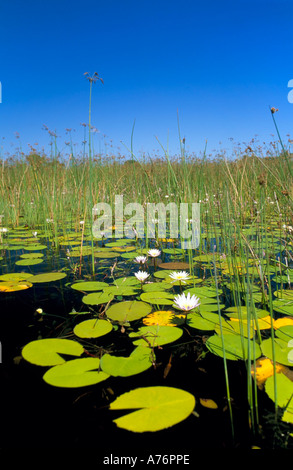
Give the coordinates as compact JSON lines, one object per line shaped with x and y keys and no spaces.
{"x":141,"y":275}
{"x":35,"y":234}
{"x":154,"y":253}
{"x":181,"y":276}
{"x":3,"y":229}
{"x":140,"y":259}
{"x":186,"y":303}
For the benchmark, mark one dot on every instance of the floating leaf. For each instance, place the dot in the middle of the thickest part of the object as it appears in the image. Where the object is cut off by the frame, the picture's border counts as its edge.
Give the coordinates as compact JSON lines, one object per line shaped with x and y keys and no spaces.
{"x":76,"y":373}
{"x":175,"y":265}
{"x":97,"y":298}
{"x":284,"y":306}
{"x":285,"y":332}
{"x":92,"y":328}
{"x":16,"y":277}
{"x":208,"y":403}
{"x":32,"y":255}
{"x":87,"y":286}
{"x":11,"y":286}
{"x":158,"y":298}
{"x":284,"y":391}
{"x":264,"y":368}
{"x":47,"y":277}
{"x":156,"y":286}
{"x":153,"y":336}
{"x":236,"y":347}
{"x":158,"y":408}
{"x":35,"y":247}
{"x":28,"y":262}
{"x":107,"y":254}
{"x":46,"y":352}
{"x":120,"y":290}
{"x":206,"y":322}
{"x":138,"y":361}
{"x":281,"y":350}
{"x":164,"y":318}
{"x":128,"y":311}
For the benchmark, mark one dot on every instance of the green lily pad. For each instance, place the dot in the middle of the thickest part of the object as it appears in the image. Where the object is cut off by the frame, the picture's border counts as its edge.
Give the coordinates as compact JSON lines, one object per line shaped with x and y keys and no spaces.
{"x":28,"y":262}
{"x":16,"y":277}
{"x":97,"y":298}
{"x":284,"y":391}
{"x":46,"y":352}
{"x":138,"y":361}
{"x":126,"y":281}
{"x":76,"y":373}
{"x":284,"y":306}
{"x":158,"y":298}
{"x":285,"y":332}
{"x":32,"y":255}
{"x":236,"y":347}
{"x":157,"y":408}
{"x":35,"y":247}
{"x":281,"y":350}
{"x":107,"y":254}
{"x":120,"y":290}
{"x":200,"y":322}
{"x":88,"y":286}
{"x":92,"y":328}
{"x":156,"y":286}
{"x":47,"y":277}
{"x":155,"y":335}
{"x":128,"y":311}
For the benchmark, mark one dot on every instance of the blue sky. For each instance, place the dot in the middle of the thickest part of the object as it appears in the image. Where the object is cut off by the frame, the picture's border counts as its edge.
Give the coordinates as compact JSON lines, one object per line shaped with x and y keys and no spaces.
{"x":219,"y":64}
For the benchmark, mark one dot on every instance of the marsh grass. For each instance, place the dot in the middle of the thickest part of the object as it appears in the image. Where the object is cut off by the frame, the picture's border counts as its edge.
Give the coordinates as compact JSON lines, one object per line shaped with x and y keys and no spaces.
{"x":252,"y":194}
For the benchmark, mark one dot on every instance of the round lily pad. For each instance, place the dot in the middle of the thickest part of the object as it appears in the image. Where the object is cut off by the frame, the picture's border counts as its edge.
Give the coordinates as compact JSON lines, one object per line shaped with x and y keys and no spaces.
{"x":13,"y":286}
{"x":47,"y":277}
{"x":98,"y":298}
{"x":158,"y":298}
{"x":46,"y":352}
{"x":153,"y":336}
{"x":88,"y":286}
{"x":76,"y":373}
{"x":28,"y":262}
{"x":92,"y":328}
{"x":128,"y":311}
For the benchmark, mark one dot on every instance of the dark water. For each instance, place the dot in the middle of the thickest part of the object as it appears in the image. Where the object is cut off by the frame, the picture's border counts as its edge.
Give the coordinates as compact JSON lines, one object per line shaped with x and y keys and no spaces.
{"x":36,"y":416}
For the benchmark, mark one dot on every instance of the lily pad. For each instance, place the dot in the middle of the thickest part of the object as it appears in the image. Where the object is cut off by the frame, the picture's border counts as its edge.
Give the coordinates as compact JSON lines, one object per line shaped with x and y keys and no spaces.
{"x":47,"y":277}
{"x":138,"y":361}
{"x":13,"y":286}
{"x":92,"y":328}
{"x":15,"y":277}
{"x":157,"y":408}
{"x":175,"y":265}
{"x":76,"y":373}
{"x":280,"y":351}
{"x":158,"y":298}
{"x":35,"y":247}
{"x":28,"y":262}
{"x":284,"y":391}
{"x":46,"y":352}
{"x":88,"y":286}
{"x":97,"y":298}
{"x":153,"y":336}
{"x":236,"y":347}
{"x":128,"y":311}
